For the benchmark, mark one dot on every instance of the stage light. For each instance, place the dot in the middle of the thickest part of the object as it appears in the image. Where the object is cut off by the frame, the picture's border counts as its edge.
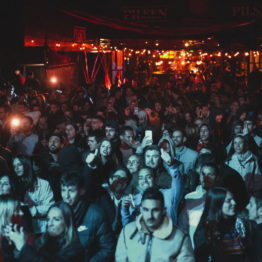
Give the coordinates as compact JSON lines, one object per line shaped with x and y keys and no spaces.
{"x":53,"y":80}
{"x":15,"y":122}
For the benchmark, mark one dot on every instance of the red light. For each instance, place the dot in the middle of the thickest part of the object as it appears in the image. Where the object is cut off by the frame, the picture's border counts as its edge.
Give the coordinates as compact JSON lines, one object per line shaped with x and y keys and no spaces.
{"x":53,"y":80}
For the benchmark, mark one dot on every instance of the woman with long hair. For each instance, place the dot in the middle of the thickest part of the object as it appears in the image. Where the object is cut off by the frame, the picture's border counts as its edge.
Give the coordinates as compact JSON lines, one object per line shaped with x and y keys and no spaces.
{"x":220,"y":235}
{"x":58,"y":244}
{"x":12,"y":213}
{"x":33,"y":191}
{"x":102,"y":162}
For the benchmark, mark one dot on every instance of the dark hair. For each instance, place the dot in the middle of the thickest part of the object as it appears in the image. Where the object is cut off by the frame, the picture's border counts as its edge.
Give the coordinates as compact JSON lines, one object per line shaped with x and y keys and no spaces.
{"x":27,"y":181}
{"x":212,"y":165}
{"x":72,"y":178}
{"x":154,"y":194}
{"x":60,"y":136}
{"x":98,"y":134}
{"x":69,"y":234}
{"x":112,"y":124}
{"x":250,"y":118}
{"x":152,"y":147}
{"x":213,"y":205}
{"x":124,"y":129}
{"x":29,"y":118}
{"x":204,"y":158}
{"x":120,"y":169}
{"x":95,"y":116}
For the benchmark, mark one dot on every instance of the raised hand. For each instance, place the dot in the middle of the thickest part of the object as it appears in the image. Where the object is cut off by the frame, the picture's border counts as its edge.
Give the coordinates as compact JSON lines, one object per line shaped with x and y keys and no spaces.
{"x":147,"y":141}
{"x":91,"y":157}
{"x":16,"y":235}
{"x":166,"y":157}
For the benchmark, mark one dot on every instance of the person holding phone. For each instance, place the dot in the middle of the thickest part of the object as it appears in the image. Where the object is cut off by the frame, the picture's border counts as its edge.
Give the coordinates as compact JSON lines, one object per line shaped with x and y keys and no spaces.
{"x":59,"y":243}
{"x":13,"y":215}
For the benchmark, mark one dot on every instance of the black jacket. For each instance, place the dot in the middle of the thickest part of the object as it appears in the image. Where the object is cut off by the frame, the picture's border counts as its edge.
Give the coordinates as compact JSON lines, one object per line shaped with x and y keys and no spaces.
{"x":52,"y":253}
{"x":94,"y":232}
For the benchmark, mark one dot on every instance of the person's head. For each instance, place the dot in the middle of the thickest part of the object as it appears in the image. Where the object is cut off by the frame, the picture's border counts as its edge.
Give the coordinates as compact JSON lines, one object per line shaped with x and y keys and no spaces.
{"x":54,"y":107}
{"x":178,"y":138}
{"x":234,"y":106}
{"x":9,"y":207}
{"x":237,"y":127}
{"x":152,"y":209}
{"x":118,"y":180}
{"x":27,"y":124}
{"x":219,"y":204}
{"x":94,"y":140}
{"x":254,"y":207}
{"x":203,"y":159}
{"x":70,"y":130}
{"x":127,"y":134}
{"x":134,"y":162}
{"x":240,"y":144}
{"x":97,"y":123}
{"x":105,"y":148}
{"x":145,"y":179}
{"x":208,"y":175}
{"x":72,"y":187}
{"x":111,"y":129}
{"x":204,"y":132}
{"x":205,"y":111}
{"x":55,"y":143}
{"x":198,"y":122}
{"x":157,"y":106}
{"x":60,"y":223}
{"x":23,"y":170}
{"x":249,"y":124}
{"x":152,"y":156}
{"x":5,"y":185}
{"x":22,"y":165}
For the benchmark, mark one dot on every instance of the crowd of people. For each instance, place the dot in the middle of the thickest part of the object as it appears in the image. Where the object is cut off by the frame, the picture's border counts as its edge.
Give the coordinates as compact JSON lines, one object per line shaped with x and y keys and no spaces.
{"x":169,"y":171}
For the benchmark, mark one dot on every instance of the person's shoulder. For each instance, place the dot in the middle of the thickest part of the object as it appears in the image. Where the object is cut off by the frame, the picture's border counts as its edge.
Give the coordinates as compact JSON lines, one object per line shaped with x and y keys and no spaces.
{"x":42,"y":182}
{"x":95,"y":213}
{"x":190,"y":150}
{"x":130,"y":228}
{"x":195,"y":194}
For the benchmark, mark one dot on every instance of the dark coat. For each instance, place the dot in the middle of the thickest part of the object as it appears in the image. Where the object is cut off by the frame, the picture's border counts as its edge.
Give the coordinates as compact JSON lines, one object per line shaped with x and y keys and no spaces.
{"x":94,"y":232}
{"x":52,"y":253}
{"x":255,"y":250}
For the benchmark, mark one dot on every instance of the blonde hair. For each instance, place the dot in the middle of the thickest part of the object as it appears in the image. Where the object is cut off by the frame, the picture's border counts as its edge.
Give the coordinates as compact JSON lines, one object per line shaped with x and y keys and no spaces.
{"x":8,"y":207}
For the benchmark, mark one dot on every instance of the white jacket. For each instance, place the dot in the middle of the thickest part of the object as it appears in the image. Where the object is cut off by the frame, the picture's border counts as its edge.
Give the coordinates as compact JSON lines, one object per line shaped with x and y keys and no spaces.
{"x":40,"y":199}
{"x":166,"y":244}
{"x":244,"y":164}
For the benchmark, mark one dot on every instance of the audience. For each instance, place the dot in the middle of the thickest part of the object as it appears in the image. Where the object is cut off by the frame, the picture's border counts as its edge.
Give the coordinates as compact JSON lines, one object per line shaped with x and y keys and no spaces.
{"x":133,"y":167}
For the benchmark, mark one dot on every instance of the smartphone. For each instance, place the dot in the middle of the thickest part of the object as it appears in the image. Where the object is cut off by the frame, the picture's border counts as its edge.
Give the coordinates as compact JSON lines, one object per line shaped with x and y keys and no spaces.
{"x":149,"y":134}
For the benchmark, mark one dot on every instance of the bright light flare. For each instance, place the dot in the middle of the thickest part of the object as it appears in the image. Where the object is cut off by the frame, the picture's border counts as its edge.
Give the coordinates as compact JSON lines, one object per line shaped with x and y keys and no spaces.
{"x":53,"y":80}
{"x":15,"y":122}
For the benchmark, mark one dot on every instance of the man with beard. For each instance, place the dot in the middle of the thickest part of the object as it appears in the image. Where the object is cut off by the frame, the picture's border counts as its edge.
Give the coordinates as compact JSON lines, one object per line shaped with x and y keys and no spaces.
{"x":183,"y":154}
{"x":50,"y":163}
{"x":153,"y":236}
{"x":152,"y":159}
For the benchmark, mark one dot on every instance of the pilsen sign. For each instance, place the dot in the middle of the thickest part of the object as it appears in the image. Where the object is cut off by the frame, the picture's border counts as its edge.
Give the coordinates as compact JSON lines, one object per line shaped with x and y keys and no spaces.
{"x":145,"y":14}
